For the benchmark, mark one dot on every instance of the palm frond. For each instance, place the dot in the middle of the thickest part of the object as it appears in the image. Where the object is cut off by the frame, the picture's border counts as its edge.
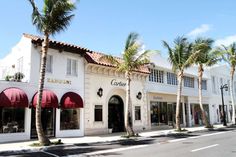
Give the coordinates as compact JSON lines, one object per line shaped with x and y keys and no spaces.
{"x":37,"y":18}
{"x":131,"y":40}
{"x":55,"y":17}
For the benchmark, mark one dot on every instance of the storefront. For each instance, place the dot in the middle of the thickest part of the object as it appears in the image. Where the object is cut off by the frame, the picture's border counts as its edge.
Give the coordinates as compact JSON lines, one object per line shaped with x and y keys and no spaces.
{"x":13,"y":114}
{"x":163,"y":110}
{"x":105,"y":95}
{"x":196,"y":114}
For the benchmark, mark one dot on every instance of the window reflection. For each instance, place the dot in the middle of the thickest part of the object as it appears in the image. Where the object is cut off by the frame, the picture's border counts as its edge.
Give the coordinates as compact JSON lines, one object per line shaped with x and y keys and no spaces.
{"x":70,"y":119}
{"x":12,"y":120}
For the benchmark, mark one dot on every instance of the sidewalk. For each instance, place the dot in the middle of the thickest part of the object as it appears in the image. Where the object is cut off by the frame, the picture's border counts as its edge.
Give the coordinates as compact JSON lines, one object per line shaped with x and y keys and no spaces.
{"x":25,"y":146}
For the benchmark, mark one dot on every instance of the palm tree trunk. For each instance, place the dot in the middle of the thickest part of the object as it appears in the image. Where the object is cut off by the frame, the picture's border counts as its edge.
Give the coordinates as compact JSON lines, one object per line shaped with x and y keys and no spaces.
{"x":180,"y":80}
{"x":128,"y":108}
{"x":43,"y":140}
{"x":204,"y":117}
{"x":232,"y":70}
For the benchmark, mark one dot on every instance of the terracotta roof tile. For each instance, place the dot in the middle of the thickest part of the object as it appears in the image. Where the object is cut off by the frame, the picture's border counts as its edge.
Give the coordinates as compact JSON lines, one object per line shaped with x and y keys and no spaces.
{"x":58,"y":45}
{"x":90,"y":56}
{"x":93,"y":57}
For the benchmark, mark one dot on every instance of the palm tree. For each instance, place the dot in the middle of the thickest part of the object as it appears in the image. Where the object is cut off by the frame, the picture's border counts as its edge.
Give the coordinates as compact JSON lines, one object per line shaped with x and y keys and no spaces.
{"x":205,"y":58}
{"x":181,"y":57}
{"x":229,"y":55}
{"x":132,"y":61}
{"x":55,"y":17}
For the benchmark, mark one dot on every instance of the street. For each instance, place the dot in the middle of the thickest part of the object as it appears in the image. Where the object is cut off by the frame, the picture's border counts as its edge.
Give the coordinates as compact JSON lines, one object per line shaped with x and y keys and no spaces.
{"x":214,"y":143}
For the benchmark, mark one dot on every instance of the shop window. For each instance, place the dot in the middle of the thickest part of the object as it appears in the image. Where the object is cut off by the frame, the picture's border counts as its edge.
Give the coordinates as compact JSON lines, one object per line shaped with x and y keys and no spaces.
{"x":172,"y":79}
{"x":12,"y":120}
{"x":98,"y":113}
{"x":156,"y":76}
{"x":188,"y":82}
{"x":70,"y":119}
{"x":137,"y":113}
{"x":72,"y":69}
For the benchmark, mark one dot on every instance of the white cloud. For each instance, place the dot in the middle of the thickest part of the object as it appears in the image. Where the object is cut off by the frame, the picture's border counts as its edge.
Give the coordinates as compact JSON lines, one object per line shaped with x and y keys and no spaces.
{"x":226,"y":41}
{"x":199,"y":30}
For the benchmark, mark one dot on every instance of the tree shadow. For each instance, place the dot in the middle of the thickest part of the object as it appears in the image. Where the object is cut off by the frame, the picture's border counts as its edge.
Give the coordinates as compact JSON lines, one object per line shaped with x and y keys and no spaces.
{"x":83,"y":148}
{"x":175,"y":135}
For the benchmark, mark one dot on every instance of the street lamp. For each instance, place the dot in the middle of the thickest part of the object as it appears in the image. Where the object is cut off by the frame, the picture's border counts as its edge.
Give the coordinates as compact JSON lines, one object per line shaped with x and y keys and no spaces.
{"x":222,"y":96}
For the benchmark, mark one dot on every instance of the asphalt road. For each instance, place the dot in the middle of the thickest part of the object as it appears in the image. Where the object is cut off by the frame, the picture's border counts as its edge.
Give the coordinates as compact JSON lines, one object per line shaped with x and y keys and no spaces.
{"x":215,"y":143}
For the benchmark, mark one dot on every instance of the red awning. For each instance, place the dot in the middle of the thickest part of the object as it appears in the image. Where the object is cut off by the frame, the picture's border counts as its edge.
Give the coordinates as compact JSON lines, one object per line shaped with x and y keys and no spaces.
{"x":71,"y":100}
{"x":13,"y":97}
{"x":49,"y":99}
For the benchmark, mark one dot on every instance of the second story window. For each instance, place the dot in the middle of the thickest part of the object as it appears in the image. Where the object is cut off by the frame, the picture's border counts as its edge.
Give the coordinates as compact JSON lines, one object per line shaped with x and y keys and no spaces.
{"x":49,"y":64}
{"x":213,"y":79}
{"x":72,"y":67}
{"x":204,"y":84}
{"x":171,"y":78}
{"x":188,"y":82}
{"x":156,"y":76}
{"x":20,"y":64}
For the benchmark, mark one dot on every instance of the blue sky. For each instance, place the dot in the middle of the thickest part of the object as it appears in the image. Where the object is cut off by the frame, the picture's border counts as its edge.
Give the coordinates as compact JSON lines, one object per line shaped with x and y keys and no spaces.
{"x":104,"y":25}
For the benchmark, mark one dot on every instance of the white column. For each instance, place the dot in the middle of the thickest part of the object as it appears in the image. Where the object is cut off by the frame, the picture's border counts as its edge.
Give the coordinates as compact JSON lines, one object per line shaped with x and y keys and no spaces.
{"x":183,"y":109}
{"x":189,"y":114}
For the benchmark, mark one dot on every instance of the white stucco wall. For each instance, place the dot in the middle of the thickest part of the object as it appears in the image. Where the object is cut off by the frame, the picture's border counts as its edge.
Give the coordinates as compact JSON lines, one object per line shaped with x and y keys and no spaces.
{"x":96,"y":77}
{"x":9,"y":66}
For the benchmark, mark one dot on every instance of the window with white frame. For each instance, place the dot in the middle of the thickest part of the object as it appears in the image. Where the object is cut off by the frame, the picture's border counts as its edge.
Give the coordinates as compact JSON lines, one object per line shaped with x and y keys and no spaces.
{"x":137,"y":113}
{"x":156,"y":76}
{"x":213,"y":79}
{"x":204,"y":84}
{"x":189,"y":82}
{"x":20,"y":64}
{"x":171,"y":78}
{"x":72,"y":65}
{"x":49,"y":63}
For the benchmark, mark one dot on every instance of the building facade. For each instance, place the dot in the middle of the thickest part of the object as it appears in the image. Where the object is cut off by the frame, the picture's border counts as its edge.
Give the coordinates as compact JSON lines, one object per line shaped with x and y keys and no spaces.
{"x":85,"y":96}
{"x":63,"y":97}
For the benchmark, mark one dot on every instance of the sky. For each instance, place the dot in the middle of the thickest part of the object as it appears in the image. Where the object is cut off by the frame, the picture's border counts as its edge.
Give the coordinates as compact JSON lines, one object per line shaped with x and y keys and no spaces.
{"x":103,"y":25}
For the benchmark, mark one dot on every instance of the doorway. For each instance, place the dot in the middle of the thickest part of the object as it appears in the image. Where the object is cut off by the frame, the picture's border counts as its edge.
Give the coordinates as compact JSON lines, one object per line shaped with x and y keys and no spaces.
{"x":116,"y":114}
{"x":48,"y":122}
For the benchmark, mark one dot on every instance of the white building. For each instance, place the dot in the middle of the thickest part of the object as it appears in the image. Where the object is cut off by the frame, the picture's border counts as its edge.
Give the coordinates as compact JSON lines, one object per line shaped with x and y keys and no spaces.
{"x":85,"y":96}
{"x":62,"y":113}
{"x":162,"y":87}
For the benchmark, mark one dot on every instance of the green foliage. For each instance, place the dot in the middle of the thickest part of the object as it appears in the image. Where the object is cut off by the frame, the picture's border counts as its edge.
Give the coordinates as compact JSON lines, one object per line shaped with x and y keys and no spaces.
{"x":228,"y":54}
{"x":206,"y":56}
{"x":18,"y":76}
{"x":133,"y":57}
{"x":54,"y":17}
{"x":181,"y":55}
{"x":8,"y":78}
{"x":37,"y":144}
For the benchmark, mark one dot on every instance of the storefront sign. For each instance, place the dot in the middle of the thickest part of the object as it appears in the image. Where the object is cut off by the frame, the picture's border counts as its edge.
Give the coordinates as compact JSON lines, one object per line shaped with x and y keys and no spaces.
{"x":114,"y":82}
{"x":157,"y":98}
{"x":51,"y":80}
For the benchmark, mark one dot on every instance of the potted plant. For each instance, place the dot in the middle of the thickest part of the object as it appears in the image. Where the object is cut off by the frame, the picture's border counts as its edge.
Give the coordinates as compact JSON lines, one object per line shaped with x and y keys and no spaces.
{"x":18,"y":76}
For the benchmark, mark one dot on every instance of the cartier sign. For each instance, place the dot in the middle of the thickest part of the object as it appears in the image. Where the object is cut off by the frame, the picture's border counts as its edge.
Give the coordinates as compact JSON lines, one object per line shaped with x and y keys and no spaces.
{"x":114,"y":82}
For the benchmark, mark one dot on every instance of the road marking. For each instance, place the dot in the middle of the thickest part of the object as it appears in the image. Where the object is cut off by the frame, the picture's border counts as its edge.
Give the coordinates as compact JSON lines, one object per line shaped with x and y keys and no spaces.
{"x":195,"y":150}
{"x":177,"y":140}
{"x":115,"y":150}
